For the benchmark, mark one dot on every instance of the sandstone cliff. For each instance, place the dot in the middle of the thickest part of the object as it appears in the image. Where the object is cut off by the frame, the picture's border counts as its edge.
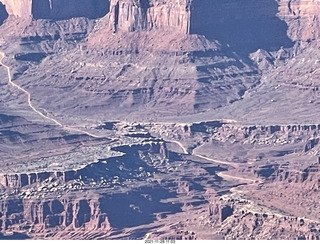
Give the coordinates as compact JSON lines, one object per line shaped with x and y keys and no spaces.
{"x":302,"y":17}
{"x":57,"y":9}
{"x":261,"y":24}
{"x":76,"y":215}
{"x":83,"y":201}
{"x":152,"y":150}
{"x":21,"y":8}
{"x":246,"y":24}
{"x":130,"y":15}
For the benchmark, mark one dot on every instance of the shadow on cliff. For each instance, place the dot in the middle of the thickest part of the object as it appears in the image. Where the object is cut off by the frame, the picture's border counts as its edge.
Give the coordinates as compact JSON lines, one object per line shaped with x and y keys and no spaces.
{"x":14,"y":236}
{"x":125,"y":167}
{"x":3,"y":13}
{"x":244,"y":25}
{"x":61,"y":10}
{"x":138,"y":207}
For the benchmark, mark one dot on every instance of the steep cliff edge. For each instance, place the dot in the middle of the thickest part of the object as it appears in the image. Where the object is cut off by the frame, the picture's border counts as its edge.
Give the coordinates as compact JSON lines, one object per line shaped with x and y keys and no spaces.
{"x":245,"y":24}
{"x":57,"y":9}
{"x":302,"y":18}
{"x":79,"y":203}
{"x":21,"y":8}
{"x":260,"y":24}
{"x":130,"y":15}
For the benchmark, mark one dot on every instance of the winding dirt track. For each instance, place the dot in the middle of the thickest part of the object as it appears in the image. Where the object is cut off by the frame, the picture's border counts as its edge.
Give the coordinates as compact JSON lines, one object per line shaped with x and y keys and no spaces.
{"x":235,"y":165}
{"x":221,"y":174}
{"x":180,"y":145}
{"x":11,"y":83}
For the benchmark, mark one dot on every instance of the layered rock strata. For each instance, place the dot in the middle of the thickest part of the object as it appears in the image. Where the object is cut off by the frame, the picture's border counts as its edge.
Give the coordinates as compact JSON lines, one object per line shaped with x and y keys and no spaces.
{"x":258,"y":21}
{"x":73,"y":214}
{"x":302,"y":18}
{"x":57,"y":9}
{"x":19,"y":180}
{"x":130,"y":15}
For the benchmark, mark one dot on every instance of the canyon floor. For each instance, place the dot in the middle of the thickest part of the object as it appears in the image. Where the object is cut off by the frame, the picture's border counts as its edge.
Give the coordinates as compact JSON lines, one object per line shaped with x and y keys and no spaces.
{"x":160,"y":134}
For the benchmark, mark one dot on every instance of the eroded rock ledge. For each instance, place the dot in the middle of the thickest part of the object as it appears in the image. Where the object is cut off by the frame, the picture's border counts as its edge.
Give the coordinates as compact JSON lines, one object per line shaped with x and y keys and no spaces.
{"x":57,"y":9}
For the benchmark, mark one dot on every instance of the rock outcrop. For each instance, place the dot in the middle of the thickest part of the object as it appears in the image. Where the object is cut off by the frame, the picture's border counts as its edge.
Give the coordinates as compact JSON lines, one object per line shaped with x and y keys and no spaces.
{"x":220,"y":211}
{"x":261,"y":134}
{"x":306,"y":178}
{"x":130,"y":15}
{"x":302,"y":18}
{"x":259,"y":24}
{"x":57,"y":9}
{"x":242,"y":24}
{"x":79,"y":200}
{"x":21,"y":8}
{"x":74,"y":214}
{"x":154,"y":150}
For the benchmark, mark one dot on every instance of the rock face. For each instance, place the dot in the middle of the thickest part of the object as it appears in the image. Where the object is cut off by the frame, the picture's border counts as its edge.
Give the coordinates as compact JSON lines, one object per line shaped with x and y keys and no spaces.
{"x":57,"y":9}
{"x":95,"y":170}
{"x":238,"y":23}
{"x":45,"y":214}
{"x":130,"y":15}
{"x":302,"y":17}
{"x":85,"y":199}
{"x":20,"y":8}
{"x":220,"y":211}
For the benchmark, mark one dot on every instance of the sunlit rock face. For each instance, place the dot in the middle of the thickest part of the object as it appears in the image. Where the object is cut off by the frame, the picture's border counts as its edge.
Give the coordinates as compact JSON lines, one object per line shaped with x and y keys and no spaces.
{"x":130,"y":15}
{"x":241,"y":24}
{"x":20,"y":8}
{"x":302,"y":17}
{"x":259,"y":24}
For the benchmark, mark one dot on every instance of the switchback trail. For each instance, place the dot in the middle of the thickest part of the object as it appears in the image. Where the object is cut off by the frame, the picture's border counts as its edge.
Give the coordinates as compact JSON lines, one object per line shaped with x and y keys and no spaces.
{"x":235,"y":165}
{"x":180,"y":145}
{"x":11,"y":83}
{"x":246,"y":180}
{"x":221,"y":174}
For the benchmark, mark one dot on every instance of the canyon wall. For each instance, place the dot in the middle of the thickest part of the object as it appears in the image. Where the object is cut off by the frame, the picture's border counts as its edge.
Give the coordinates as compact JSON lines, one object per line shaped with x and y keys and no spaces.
{"x":57,"y":9}
{"x":245,"y":25}
{"x":79,"y":204}
{"x":302,"y":18}
{"x":130,"y":15}
{"x":44,"y":214}
{"x":21,"y":8}
{"x":154,"y":150}
{"x":265,"y":24}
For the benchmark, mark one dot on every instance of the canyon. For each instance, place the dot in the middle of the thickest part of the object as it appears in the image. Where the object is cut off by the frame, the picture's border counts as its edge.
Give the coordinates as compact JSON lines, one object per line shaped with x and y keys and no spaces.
{"x":193,"y":119}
